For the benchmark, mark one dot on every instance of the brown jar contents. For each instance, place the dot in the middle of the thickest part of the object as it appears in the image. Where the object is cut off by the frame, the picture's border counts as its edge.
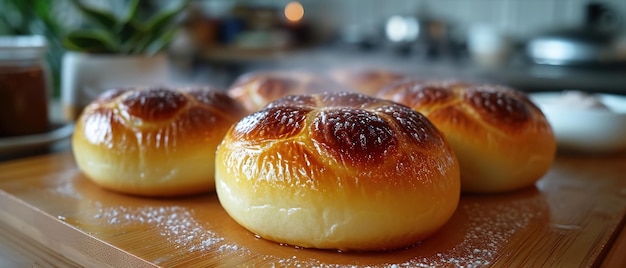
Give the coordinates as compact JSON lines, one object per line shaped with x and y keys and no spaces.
{"x":23,"y":101}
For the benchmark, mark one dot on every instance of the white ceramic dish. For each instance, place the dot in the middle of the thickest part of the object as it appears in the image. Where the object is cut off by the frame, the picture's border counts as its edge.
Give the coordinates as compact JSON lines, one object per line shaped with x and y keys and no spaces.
{"x":18,"y":144}
{"x":584,"y":129}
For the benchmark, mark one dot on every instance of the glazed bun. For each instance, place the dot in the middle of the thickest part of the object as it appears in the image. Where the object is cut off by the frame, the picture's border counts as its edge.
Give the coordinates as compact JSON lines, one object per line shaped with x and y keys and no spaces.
{"x":155,"y":141}
{"x":365,"y":81}
{"x":256,"y":89}
{"x":502,"y":140}
{"x":337,"y":171}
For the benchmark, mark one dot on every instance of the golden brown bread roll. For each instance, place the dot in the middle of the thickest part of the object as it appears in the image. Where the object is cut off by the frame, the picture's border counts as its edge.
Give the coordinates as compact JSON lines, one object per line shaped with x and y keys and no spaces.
{"x":365,"y":81}
{"x":155,"y":141}
{"x":337,"y":171}
{"x":502,"y":140}
{"x":256,"y":89}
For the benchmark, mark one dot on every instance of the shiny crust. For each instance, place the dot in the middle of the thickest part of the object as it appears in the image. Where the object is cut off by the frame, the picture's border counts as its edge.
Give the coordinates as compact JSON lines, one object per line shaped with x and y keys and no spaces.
{"x":154,"y":141}
{"x":365,"y":81}
{"x":256,"y":89}
{"x":310,"y":170}
{"x":503,"y":141}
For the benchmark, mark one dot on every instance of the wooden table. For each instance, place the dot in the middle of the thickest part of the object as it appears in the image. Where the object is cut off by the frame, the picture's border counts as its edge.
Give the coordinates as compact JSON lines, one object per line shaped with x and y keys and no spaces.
{"x":51,"y":215}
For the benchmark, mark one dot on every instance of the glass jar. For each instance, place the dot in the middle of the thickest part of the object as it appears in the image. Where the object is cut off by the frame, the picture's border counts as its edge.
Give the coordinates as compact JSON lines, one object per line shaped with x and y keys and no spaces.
{"x":24,"y":86}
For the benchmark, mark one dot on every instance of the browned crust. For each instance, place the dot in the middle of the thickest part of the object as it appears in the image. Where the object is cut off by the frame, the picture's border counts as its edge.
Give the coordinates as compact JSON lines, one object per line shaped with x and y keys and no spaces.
{"x":497,"y":107}
{"x":337,"y":160}
{"x":502,"y":140}
{"x":158,"y":117}
{"x":353,"y":129}
{"x":256,"y":89}
{"x":153,"y":129}
{"x":366,"y":81}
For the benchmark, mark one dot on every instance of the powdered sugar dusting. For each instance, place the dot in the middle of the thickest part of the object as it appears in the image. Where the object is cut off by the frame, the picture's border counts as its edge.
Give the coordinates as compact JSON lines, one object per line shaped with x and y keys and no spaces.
{"x":489,"y":229}
{"x":176,"y":224}
{"x":478,"y":235}
{"x":66,"y":188}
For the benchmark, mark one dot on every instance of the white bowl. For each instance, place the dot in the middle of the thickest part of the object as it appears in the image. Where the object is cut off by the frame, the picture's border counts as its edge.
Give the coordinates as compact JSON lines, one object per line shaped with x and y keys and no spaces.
{"x":584,"y":129}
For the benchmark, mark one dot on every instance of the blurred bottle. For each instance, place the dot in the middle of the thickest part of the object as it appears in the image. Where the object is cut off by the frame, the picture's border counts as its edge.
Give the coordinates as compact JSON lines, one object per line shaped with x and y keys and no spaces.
{"x":24,"y":86}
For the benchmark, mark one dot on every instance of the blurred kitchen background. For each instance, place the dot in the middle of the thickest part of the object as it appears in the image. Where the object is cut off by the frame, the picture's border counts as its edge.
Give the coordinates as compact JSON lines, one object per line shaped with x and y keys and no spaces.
{"x":532,"y":45}
{"x":76,"y":49}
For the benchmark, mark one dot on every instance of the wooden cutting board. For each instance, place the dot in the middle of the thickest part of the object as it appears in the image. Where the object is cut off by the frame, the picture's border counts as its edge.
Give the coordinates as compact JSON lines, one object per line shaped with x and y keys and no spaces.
{"x":571,"y":218}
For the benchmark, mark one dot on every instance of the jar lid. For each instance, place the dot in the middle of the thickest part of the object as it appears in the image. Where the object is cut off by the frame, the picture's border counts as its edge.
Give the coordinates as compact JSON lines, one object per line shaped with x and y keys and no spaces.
{"x":22,"y":47}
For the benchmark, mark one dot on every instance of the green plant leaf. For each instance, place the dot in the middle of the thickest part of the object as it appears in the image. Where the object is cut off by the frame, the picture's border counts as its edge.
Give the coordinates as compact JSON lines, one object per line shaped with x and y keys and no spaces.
{"x":128,"y":25}
{"x":130,"y":35}
{"x":104,"y":19}
{"x":164,"y":19}
{"x":92,"y":41}
{"x":43,"y":10}
{"x":126,"y":34}
{"x":161,"y":42}
{"x":157,"y":31}
{"x":131,"y":13}
{"x":5,"y":26}
{"x":16,"y":17}
{"x":141,"y":44}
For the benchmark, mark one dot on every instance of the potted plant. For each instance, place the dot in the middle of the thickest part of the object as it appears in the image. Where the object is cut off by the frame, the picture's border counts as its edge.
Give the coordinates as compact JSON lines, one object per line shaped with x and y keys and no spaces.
{"x":115,"y":51}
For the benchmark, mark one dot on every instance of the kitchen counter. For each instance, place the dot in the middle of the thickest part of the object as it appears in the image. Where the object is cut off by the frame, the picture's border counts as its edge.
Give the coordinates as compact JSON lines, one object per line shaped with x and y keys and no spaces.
{"x":17,"y":249}
{"x":50,"y":214}
{"x":574,"y":216}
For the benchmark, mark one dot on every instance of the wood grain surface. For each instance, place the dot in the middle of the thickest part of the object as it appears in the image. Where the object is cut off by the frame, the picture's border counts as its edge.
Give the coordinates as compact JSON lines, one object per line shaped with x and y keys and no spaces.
{"x":572,"y":218}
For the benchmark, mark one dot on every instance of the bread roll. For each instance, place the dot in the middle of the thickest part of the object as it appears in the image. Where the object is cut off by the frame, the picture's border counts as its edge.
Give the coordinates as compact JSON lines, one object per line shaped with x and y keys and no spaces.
{"x":337,"y":171}
{"x":255,"y":90}
{"x":502,"y":140}
{"x":365,"y":81}
{"x":155,"y":141}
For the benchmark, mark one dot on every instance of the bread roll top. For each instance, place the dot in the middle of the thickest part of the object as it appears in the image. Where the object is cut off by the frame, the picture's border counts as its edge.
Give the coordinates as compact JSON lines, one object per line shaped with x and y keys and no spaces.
{"x":158,"y":118}
{"x":256,"y":89}
{"x":343,"y":136}
{"x":365,"y":81}
{"x":508,"y":111}
{"x":502,"y":140}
